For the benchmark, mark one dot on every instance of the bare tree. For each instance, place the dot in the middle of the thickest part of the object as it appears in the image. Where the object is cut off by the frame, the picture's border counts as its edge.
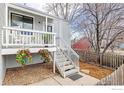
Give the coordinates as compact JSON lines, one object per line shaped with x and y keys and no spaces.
{"x":99,"y":22}
{"x":102,"y":22}
{"x":66,"y":11}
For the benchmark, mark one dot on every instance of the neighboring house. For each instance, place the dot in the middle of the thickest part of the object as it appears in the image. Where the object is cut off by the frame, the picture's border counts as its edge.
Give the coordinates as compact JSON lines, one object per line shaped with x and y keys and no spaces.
{"x":26,"y":28}
{"x":83,"y":44}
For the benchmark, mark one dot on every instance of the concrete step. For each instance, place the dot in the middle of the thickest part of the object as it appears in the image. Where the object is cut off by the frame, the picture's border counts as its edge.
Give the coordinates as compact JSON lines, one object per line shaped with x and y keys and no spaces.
{"x":70,"y":72}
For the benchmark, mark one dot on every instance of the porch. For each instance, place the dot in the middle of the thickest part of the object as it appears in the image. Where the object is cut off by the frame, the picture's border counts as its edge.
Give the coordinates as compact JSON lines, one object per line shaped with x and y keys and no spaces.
{"x":26,"y":28}
{"x":14,"y":39}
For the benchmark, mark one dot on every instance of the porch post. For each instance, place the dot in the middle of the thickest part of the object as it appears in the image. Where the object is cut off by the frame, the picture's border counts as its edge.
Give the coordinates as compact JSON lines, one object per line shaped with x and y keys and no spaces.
{"x":54,"y":63}
{"x":46,"y":24}
{"x":2,"y":69}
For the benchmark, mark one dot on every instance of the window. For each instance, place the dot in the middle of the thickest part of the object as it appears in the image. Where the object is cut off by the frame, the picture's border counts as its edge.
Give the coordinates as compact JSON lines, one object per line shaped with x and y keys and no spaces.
{"x":21,"y":21}
{"x":49,"y":28}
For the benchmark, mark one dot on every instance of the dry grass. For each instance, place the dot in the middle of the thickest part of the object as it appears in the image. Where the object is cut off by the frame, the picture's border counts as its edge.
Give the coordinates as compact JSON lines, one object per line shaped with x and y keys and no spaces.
{"x":29,"y":74}
{"x":95,"y":71}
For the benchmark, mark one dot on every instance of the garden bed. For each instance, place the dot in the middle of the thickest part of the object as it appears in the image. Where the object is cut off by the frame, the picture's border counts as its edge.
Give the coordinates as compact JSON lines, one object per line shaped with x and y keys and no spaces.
{"x":29,"y":74}
{"x":95,"y":71}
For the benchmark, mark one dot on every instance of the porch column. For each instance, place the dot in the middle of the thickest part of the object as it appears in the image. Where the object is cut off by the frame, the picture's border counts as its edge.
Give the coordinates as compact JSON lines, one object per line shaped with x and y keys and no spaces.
{"x":2,"y":69}
{"x":46,"y":24}
{"x":54,"y":63}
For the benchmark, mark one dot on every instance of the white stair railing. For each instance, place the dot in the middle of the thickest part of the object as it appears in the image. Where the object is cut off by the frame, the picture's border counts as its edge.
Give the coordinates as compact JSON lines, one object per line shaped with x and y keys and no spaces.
{"x":69,"y":53}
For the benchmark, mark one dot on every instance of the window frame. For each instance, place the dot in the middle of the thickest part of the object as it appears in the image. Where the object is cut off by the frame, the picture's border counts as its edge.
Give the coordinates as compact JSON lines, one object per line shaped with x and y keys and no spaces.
{"x":49,"y":27}
{"x":20,"y":14}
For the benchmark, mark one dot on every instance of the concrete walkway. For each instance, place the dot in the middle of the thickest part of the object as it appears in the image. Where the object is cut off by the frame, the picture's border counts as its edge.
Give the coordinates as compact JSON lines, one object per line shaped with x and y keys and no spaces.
{"x":59,"y":81}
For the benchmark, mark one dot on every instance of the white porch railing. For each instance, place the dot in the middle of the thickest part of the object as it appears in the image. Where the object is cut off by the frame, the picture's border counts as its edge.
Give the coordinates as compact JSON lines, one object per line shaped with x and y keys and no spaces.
{"x":24,"y":37}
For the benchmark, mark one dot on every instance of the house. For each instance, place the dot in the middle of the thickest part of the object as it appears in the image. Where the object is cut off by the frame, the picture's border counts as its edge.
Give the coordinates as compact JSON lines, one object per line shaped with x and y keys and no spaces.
{"x":23,"y":27}
{"x":83,"y":44}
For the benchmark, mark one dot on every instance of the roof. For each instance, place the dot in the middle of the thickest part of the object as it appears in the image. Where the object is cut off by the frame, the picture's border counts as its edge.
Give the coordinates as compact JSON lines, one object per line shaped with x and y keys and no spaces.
{"x":35,"y":10}
{"x":82,"y":44}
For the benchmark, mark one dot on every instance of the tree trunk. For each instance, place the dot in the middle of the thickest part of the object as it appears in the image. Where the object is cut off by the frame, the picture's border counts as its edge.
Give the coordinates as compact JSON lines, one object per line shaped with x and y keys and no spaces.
{"x":101,"y":59}
{"x":98,"y":58}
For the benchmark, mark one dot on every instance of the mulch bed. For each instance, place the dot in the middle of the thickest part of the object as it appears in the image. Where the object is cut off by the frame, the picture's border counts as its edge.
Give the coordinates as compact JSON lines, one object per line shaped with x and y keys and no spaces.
{"x":29,"y":74}
{"x":37,"y":72}
{"x":95,"y":71}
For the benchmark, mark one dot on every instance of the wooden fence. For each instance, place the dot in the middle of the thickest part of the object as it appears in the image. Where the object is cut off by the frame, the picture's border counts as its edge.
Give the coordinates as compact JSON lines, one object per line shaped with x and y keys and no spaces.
{"x":116,"y":78}
{"x":108,"y":60}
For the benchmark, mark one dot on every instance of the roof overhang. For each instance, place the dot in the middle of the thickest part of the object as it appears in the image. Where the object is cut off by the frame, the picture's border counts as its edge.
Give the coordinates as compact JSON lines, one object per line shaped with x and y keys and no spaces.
{"x":30,"y":10}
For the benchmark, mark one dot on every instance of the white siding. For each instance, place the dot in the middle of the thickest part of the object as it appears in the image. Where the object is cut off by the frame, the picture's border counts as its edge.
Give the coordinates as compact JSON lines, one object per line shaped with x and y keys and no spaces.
{"x":11,"y":60}
{"x":56,"y":29}
{"x":61,"y":29}
{"x":2,"y":62}
{"x":65,"y":33}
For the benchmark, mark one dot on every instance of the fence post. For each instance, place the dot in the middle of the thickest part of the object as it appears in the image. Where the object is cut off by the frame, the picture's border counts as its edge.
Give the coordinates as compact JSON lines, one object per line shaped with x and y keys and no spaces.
{"x":100,"y":59}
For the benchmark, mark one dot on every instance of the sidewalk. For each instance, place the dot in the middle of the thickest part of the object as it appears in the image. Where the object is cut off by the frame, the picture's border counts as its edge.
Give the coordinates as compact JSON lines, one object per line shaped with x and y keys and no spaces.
{"x":59,"y":81}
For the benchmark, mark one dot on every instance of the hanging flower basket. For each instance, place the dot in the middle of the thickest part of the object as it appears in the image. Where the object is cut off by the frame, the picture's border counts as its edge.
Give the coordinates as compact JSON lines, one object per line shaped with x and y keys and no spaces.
{"x":44,"y":55}
{"x":23,"y":56}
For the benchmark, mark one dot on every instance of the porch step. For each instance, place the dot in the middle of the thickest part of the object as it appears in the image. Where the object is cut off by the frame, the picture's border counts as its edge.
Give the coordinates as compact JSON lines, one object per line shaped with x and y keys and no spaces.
{"x":64,"y":63}
{"x":58,"y":53}
{"x":71,"y":71}
{"x":67,"y":67}
{"x":61,"y":59}
{"x":60,"y":56}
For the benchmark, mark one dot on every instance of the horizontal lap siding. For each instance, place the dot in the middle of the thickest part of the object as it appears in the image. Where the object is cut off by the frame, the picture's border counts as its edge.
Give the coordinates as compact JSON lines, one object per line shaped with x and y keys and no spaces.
{"x":2,"y":23}
{"x":11,"y":60}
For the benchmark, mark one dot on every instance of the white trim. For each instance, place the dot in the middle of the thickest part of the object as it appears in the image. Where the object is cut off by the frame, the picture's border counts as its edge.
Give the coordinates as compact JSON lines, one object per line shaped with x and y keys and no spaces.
{"x":16,"y":12}
{"x":29,"y":11}
{"x":54,"y":62}
{"x":27,"y":30}
{"x":46,"y":23}
{"x":6,"y":15}
{"x":32,"y":50}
